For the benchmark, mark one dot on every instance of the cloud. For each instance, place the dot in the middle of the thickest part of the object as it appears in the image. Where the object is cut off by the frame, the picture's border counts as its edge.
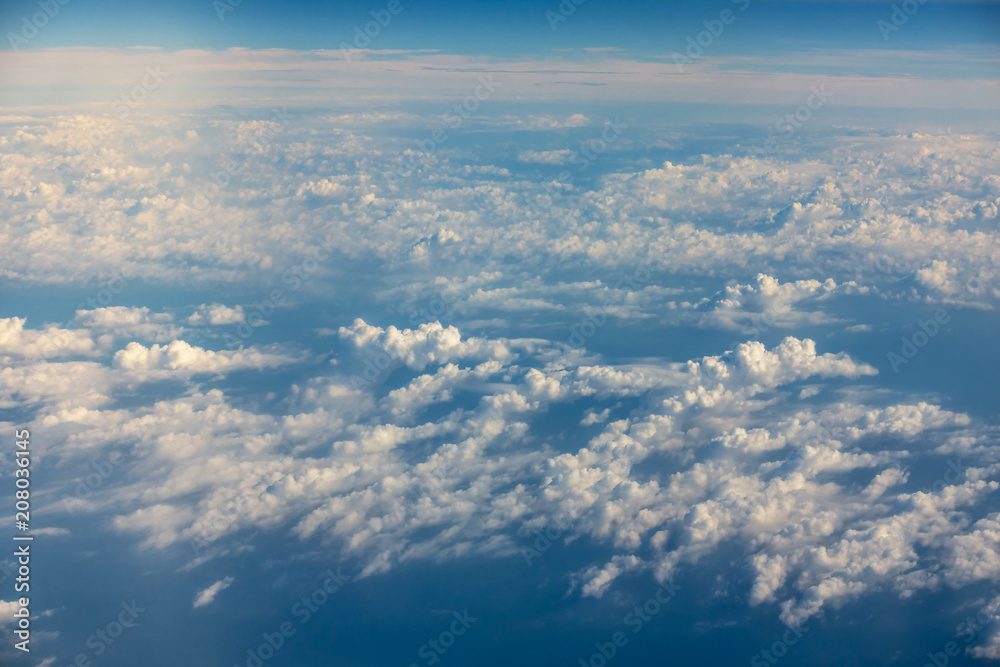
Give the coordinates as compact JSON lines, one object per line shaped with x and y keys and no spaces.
{"x":7,"y":610}
{"x":51,"y":342}
{"x":870,"y":225}
{"x":610,"y":76}
{"x":116,"y":316}
{"x":216,"y":314}
{"x":599,"y":579}
{"x":769,"y":303}
{"x":50,"y":531}
{"x":457,"y":418}
{"x":428,"y":343}
{"x":562,"y":156}
{"x":124,"y":321}
{"x":751,"y":368}
{"x":989,"y":649}
{"x":207,"y":596}
{"x":181,"y":356}
{"x":938,"y":276}
{"x":451,"y":462}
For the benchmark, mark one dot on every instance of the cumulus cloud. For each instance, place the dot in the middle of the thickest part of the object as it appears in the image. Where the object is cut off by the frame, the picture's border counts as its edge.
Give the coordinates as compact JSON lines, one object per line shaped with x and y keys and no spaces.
{"x":471,"y":418}
{"x":987,"y":617}
{"x":415,"y":471}
{"x":598,"y":580}
{"x":751,"y":368}
{"x":50,"y":342}
{"x":181,"y":356}
{"x":125,"y":321}
{"x":562,"y":156}
{"x":7,"y":610}
{"x":216,"y":314}
{"x":866,"y":224}
{"x":429,"y":343}
{"x":755,"y":308}
{"x":814,"y":543}
{"x":207,"y":596}
{"x":938,"y":276}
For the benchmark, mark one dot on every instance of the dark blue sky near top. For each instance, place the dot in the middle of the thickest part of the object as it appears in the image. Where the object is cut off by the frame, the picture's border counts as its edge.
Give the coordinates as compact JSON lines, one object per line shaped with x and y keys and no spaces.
{"x":645,"y":29}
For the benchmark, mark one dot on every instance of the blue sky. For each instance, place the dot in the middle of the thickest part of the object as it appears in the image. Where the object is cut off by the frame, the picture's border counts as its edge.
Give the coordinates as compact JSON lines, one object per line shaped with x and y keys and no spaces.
{"x":515,"y":28}
{"x":500,"y":334}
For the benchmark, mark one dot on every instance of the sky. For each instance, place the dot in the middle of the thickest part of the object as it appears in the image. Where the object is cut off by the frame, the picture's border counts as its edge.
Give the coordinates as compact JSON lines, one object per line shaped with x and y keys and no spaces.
{"x":445,"y":333}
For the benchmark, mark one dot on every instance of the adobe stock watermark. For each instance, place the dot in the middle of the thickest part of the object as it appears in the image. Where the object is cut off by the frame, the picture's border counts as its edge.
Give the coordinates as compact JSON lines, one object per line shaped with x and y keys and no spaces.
{"x":30,"y":27}
{"x":544,"y":539}
{"x":433,"y":649}
{"x":437,"y":307}
{"x":363,"y":35}
{"x":102,"y":639}
{"x":454,"y":118}
{"x":375,"y":366}
{"x":566,"y":9}
{"x":590,"y":325}
{"x":795,"y":120}
{"x":223,"y":7}
{"x":952,"y":475}
{"x":762,"y":322}
{"x":899,"y":17}
{"x":913,"y":343}
{"x":278,"y":125}
{"x":778,"y":648}
{"x":791,"y":122}
{"x":593,"y":148}
{"x":304,"y":609}
{"x":970,"y":628}
{"x":212,"y":188}
{"x":104,"y":297}
{"x":88,"y":484}
{"x":122,"y":106}
{"x":918,"y":164}
{"x":635,"y":620}
{"x":222,"y":518}
{"x":584,"y":157}
{"x":293,"y":278}
{"x":714,"y":28}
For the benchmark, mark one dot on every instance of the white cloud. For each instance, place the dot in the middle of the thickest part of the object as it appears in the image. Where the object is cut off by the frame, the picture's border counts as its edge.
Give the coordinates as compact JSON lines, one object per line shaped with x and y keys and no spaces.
{"x":769,"y":304}
{"x":40,"y":344}
{"x":216,"y":314}
{"x":7,"y":610}
{"x":562,"y":156}
{"x":465,"y":440}
{"x":181,"y":356}
{"x":123,"y":321}
{"x":938,"y":276}
{"x":207,"y":596}
{"x":428,"y":343}
{"x":386,"y":484}
{"x":595,"y":417}
{"x":116,"y":316}
{"x":599,"y":579}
